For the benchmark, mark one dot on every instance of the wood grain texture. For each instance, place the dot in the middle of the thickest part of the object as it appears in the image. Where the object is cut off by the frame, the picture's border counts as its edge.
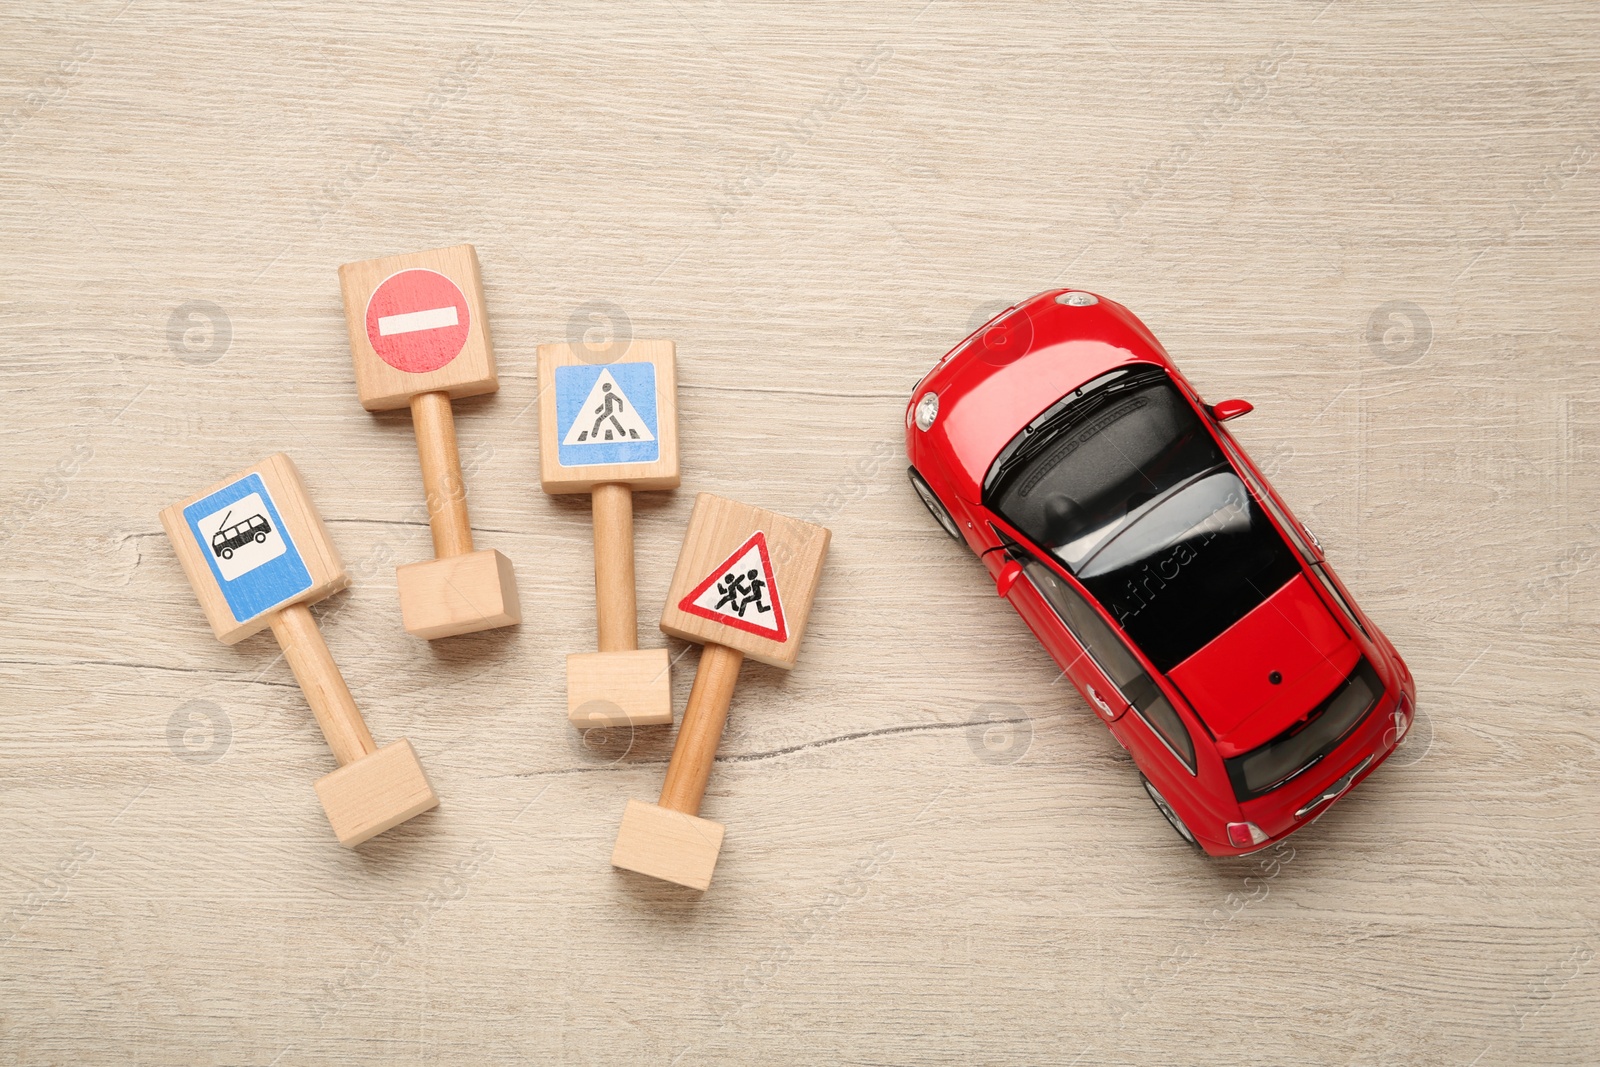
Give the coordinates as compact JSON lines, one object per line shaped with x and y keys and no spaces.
{"x":321,"y":684}
{"x":694,"y":750}
{"x":616,"y":602}
{"x":442,"y":485}
{"x":1378,"y":223}
{"x":670,"y":845}
{"x":458,"y":594}
{"x":609,"y":689}
{"x":375,"y":793}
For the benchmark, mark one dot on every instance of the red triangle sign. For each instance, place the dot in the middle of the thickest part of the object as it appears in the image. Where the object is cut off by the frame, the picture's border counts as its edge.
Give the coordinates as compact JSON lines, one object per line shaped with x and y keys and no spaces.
{"x":741,"y":592}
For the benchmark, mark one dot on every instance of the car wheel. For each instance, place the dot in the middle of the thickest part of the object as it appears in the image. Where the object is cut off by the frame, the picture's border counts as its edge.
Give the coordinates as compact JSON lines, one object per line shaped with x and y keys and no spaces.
{"x":1166,"y":810}
{"x":935,"y":508}
{"x":261,"y":538}
{"x":227,"y":553}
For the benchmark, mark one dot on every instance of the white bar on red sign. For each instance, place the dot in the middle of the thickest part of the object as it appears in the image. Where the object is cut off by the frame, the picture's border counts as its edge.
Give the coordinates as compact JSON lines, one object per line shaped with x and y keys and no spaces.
{"x":412,"y":321}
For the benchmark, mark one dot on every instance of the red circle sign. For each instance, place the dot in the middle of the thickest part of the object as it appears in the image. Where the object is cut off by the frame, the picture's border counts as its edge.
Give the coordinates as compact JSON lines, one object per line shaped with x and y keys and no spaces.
{"x":417,"y":320}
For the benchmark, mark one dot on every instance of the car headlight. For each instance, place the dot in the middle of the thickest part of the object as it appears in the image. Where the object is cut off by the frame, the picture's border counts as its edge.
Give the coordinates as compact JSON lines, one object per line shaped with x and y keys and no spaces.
{"x":927,"y":410}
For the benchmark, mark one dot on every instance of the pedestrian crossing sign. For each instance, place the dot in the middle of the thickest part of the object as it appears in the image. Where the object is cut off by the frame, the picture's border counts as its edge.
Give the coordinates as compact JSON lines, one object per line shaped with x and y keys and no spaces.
{"x":606,"y":413}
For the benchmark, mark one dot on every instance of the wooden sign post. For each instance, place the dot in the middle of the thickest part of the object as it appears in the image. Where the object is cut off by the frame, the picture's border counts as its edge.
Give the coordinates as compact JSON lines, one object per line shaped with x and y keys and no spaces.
{"x":607,"y":429}
{"x":257,"y":554}
{"x":743,"y":587}
{"x":419,"y":336}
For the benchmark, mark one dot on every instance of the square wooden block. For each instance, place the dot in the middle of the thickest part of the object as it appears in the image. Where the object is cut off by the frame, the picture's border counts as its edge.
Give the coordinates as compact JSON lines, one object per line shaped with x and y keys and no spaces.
{"x":619,"y":688}
{"x":458,"y":594}
{"x":746,"y":578}
{"x":668,"y":845}
{"x":615,"y":421}
{"x":252,"y":543}
{"x":418,"y":325}
{"x":376,"y":793}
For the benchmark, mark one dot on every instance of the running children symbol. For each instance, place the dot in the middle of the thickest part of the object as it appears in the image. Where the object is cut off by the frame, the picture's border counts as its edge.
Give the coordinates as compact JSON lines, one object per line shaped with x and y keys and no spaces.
{"x":741,"y":592}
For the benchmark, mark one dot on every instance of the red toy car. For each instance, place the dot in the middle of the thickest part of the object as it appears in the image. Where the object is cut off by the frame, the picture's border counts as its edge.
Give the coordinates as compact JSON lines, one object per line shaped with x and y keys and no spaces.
{"x":1154,"y":562}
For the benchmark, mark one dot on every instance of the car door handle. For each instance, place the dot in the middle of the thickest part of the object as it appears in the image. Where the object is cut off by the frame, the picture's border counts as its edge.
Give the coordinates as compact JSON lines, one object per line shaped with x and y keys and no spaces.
{"x":1100,"y":702}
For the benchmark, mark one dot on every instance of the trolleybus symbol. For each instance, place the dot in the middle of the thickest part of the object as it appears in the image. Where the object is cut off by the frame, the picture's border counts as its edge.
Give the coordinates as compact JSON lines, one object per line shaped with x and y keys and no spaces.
{"x":228,"y":538}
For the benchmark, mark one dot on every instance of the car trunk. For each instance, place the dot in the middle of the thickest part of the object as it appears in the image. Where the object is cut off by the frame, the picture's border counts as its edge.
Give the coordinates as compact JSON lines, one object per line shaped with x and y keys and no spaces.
{"x":1269,"y":669}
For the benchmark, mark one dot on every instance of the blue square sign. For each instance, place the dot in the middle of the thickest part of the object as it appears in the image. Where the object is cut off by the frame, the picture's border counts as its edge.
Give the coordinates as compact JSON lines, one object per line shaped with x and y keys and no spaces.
{"x":606,"y":413}
{"x":251,"y":555}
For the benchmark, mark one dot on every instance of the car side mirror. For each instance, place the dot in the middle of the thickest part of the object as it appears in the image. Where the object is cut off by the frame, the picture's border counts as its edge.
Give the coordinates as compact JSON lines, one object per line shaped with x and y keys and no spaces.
{"x":1231,"y":409}
{"x":1007,"y":577}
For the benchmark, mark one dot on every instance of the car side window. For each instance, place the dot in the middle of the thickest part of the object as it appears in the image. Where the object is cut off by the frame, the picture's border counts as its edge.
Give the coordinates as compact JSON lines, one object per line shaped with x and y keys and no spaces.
{"x":1114,"y":658}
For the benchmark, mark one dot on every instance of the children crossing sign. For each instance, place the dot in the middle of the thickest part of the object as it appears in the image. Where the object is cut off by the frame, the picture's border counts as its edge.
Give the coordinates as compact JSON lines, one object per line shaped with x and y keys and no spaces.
{"x":741,"y":592}
{"x":248,"y":550}
{"x":607,"y":414}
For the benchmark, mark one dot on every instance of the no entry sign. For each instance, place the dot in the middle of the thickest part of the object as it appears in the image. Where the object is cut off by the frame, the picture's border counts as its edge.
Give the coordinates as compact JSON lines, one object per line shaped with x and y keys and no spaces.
{"x":417,"y":320}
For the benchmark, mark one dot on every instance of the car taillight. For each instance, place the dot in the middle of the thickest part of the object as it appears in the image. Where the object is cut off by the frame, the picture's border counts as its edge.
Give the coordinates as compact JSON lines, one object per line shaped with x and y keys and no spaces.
{"x":1245,"y":834}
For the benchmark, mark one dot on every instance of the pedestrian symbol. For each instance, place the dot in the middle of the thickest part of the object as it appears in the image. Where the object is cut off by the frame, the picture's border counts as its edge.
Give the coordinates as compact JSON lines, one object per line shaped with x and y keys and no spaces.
{"x":741,"y":592}
{"x":250,"y":554}
{"x":615,"y":419}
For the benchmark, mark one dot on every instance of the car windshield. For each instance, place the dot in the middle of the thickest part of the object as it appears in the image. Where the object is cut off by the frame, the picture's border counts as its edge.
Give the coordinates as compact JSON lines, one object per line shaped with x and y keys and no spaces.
{"x":1121,"y":483}
{"x":1307,"y":741}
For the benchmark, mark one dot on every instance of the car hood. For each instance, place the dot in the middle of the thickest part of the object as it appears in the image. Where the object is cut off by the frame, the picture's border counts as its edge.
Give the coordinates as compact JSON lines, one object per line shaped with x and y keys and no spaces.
{"x":1000,"y":401}
{"x":1228,"y":681}
{"x":1003,"y":376}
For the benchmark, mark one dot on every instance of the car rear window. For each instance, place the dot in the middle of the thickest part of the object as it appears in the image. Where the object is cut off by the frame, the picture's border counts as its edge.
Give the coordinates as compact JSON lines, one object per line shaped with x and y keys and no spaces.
{"x":1301,"y":746}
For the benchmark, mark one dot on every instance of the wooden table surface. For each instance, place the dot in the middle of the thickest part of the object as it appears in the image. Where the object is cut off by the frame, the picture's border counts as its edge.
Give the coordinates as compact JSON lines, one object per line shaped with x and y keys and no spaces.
{"x":1378,"y":223}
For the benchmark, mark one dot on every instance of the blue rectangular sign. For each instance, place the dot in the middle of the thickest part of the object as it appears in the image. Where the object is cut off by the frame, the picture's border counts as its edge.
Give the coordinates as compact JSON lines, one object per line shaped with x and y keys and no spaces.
{"x":606,"y":413}
{"x":251,"y":555}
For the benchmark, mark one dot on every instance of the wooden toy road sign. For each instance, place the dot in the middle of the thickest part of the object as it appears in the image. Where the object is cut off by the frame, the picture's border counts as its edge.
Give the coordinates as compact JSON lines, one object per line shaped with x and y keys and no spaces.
{"x":257,"y":555}
{"x":744,"y":586}
{"x":419,"y":336}
{"x":606,"y":429}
